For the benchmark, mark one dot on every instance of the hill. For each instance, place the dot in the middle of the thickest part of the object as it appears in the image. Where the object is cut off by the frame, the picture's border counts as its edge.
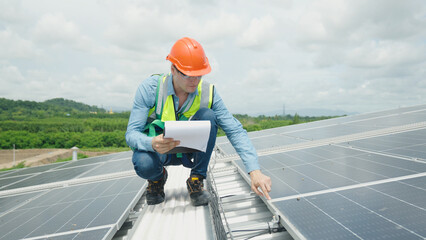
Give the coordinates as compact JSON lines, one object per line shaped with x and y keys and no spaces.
{"x":19,"y":109}
{"x":69,"y":105}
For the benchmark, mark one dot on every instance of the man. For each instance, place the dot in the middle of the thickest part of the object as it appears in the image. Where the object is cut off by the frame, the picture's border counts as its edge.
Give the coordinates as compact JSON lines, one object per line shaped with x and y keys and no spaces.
{"x":183,"y":95}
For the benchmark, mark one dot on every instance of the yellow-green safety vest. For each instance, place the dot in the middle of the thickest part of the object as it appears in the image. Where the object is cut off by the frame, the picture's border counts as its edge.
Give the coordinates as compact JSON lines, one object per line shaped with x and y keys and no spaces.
{"x":164,"y":108}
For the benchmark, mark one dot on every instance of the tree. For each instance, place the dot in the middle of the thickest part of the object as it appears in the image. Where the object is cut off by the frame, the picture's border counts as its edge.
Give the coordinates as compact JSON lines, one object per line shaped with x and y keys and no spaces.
{"x":296,"y":119}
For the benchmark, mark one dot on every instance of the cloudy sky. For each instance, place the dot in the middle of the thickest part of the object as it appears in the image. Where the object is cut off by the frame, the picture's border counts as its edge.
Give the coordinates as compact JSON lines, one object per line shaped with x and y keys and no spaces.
{"x":355,"y":55}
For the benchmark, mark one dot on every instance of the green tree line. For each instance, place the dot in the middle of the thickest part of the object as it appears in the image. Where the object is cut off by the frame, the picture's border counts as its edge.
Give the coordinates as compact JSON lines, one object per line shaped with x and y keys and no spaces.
{"x":66,"y":124}
{"x":24,"y":139}
{"x":61,"y":123}
{"x":19,"y":109}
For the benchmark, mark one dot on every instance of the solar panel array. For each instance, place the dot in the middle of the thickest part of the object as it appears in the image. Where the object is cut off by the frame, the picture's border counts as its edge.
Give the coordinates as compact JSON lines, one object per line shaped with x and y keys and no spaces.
{"x":84,"y":199}
{"x":355,"y":177}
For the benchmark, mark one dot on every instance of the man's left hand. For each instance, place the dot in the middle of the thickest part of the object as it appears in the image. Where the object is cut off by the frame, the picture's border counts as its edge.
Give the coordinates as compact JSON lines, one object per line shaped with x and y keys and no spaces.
{"x":259,"y":180}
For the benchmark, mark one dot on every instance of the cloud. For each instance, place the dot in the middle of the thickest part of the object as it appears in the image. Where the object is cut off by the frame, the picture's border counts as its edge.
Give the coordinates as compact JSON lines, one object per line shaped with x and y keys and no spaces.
{"x":55,"y":29}
{"x":11,"y":11}
{"x":147,"y":29}
{"x":385,"y":53}
{"x":142,"y":28}
{"x":13,"y":46}
{"x":259,"y":35}
{"x":305,"y":54}
{"x":10,"y":79}
{"x":334,"y":21}
{"x":330,"y":32}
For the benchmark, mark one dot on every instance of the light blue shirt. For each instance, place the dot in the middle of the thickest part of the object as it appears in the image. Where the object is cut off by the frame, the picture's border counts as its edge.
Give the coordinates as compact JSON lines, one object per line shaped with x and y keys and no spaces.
{"x":145,"y":100}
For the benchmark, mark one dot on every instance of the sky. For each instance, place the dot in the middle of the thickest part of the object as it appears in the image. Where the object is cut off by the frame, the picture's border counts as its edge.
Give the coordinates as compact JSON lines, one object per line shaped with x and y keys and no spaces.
{"x":356,"y":56}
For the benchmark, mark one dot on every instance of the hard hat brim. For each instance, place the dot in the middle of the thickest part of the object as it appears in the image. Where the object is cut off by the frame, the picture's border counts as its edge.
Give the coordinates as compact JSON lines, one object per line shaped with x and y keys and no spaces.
{"x":192,"y":73}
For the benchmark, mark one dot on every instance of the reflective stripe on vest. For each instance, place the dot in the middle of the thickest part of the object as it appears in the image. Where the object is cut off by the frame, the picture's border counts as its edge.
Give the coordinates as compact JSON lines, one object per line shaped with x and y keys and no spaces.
{"x":164,"y":109}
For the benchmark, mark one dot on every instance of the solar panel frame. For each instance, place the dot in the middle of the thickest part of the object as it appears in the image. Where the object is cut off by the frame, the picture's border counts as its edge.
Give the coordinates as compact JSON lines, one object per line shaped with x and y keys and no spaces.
{"x":93,"y":234}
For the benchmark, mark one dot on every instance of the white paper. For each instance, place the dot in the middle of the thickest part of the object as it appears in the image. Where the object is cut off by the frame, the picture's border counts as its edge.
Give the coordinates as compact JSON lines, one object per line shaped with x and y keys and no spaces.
{"x":191,"y":134}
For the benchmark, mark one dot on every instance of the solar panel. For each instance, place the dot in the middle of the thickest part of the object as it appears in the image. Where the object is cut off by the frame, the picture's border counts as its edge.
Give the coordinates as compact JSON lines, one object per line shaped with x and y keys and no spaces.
{"x":411,"y":144}
{"x":260,"y":142}
{"x":110,"y":167}
{"x":370,"y":118}
{"x":49,"y":177}
{"x":72,"y":209}
{"x":65,"y":171}
{"x":92,"y":202}
{"x":31,"y":170}
{"x":352,"y":125}
{"x":362,"y":213}
{"x":372,"y":186}
{"x":7,"y":203}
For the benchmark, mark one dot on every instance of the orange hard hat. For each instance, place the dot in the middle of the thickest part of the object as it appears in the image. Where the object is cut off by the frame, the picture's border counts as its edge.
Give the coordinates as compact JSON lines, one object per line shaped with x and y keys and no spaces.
{"x":188,"y":56}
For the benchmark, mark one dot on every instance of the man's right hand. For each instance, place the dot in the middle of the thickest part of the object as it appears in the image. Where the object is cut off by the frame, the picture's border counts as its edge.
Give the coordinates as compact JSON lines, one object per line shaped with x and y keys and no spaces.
{"x":163,"y":145}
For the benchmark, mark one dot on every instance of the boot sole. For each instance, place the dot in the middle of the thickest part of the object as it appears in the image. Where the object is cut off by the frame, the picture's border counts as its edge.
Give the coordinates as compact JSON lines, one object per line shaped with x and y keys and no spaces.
{"x":158,"y":201}
{"x":155,"y":202}
{"x":200,"y":202}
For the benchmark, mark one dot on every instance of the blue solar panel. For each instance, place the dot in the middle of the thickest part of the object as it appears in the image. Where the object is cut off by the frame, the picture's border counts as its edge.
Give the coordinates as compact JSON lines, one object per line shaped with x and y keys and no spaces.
{"x":411,"y":144}
{"x":355,"y":124}
{"x":371,"y":188}
{"x":87,"y":206}
{"x":32,"y":170}
{"x":49,"y":177}
{"x":85,"y":211}
{"x":110,"y":167}
{"x":325,"y":167}
{"x":352,"y":214}
{"x":9,"y":202}
{"x":260,"y":142}
{"x":66,"y":171}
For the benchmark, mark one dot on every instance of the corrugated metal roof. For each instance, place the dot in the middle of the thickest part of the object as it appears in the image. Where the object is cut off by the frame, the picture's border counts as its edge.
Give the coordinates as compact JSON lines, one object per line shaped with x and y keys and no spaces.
{"x":175,"y":218}
{"x":234,"y":212}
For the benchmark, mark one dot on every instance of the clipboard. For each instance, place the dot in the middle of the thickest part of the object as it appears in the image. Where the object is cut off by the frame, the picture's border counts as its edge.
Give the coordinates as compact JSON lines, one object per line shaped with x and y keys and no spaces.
{"x":193,"y":135}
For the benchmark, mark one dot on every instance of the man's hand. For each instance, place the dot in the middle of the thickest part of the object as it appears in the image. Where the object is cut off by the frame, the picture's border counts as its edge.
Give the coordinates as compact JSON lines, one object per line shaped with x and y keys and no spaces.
{"x":262,"y":181}
{"x":163,"y":145}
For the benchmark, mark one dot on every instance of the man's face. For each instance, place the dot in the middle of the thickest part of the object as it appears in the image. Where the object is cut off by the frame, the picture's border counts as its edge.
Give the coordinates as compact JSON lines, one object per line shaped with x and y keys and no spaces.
{"x":185,"y":83}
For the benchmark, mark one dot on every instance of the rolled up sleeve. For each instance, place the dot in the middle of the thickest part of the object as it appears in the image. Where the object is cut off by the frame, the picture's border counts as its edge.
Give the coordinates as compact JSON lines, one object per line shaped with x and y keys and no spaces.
{"x":236,"y":134}
{"x":144,"y":100}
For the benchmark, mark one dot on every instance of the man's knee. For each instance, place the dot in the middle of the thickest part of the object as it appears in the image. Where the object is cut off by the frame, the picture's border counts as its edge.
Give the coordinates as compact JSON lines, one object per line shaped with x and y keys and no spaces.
{"x":145,"y":164}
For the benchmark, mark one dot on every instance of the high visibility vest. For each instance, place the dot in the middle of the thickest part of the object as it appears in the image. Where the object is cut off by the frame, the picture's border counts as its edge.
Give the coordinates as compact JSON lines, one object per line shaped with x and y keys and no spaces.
{"x":164,"y":108}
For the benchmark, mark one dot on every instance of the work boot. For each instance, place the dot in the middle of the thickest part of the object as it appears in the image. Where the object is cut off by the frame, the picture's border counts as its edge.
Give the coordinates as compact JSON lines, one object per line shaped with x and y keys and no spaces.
{"x":155,"y":190}
{"x":199,"y":196}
